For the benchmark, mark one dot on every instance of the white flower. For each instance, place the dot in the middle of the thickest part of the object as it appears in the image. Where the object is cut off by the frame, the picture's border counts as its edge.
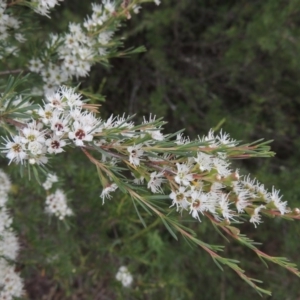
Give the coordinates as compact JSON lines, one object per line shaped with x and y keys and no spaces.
{"x":155,"y":134}
{"x":124,"y":276}
{"x":255,"y":217}
{"x":15,"y":150}
{"x":217,"y":187}
{"x":56,"y":204}
{"x":10,"y":282}
{"x":180,"y":197}
{"x":109,"y":5}
{"x":204,"y":161}
{"x":35,"y":148}
{"x":12,"y":22}
{"x":5,"y":184}
{"x":39,"y":160}
{"x":71,"y":41}
{"x":51,"y":178}
{"x":46,"y":113}
{"x":157,"y":2}
{"x":49,"y":87}
{"x":75,"y":113}
{"x":3,"y":5}
{"x":276,"y":201}
{"x":55,"y":144}
{"x":136,"y":8}
{"x":200,"y":203}
{"x":224,"y":139}
{"x":138,"y":180}
{"x":135,"y":152}
{"x":242,"y":201}
{"x":43,"y":6}
{"x":107,"y":190}
{"x":88,"y":119}
{"x":154,"y":131}
{"x":183,"y":175}
{"x":75,"y":29}
{"x":210,"y":139}
{"x":105,"y":37}
{"x":80,"y":133}
{"x":120,"y":122}
{"x":11,"y":285}
{"x":224,"y":207}
{"x":59,"y":123}
{"x":181,"y":140}
{"x":55,"y":101}
{"x":222,"y":167}
{"x":5,"y":219}
{"x":32,"y":133}
{"x":109,"y":123}
{"x":156,"y":179}
{"x":47,"y":185}
{"x":9,"y":246}
{"x":261,"y":191}
{"x":56,"y":75}
{"x":20,"y":38}
{"x":97,"y":8}
{"x":89,"y":24}
{"x":85,"y":53}
{"x":249,"y":183}
{"x":73,"y":99}
{"x":83,"y":69}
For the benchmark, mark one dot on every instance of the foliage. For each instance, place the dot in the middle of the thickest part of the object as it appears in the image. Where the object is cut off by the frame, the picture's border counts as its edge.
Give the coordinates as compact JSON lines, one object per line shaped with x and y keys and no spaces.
{"x":226,"y":59}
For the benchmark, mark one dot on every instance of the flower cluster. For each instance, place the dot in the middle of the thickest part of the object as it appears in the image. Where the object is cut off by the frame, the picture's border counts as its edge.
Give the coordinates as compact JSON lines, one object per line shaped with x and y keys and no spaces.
{"x":43,"y":7}
{"x":81,"y":47}
{"x":62,"y":120}
{"x":206,"y":184}
{"x":56,"y":204}
{"x":136,"y":7}
{"x":70,"y":54}
{"x":51,"y":178}
{"x":10,"y":31}
{"x":197,"y":173}
{"x":124,"y":276}
{"x":77,"y":49}
{"x":193,"y":177}
{"x":201,"y":181}
{"x":11,"y":284}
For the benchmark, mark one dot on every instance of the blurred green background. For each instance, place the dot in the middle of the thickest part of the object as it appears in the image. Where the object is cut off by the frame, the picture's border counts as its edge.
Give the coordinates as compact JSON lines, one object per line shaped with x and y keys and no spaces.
{"x":207,"y":61}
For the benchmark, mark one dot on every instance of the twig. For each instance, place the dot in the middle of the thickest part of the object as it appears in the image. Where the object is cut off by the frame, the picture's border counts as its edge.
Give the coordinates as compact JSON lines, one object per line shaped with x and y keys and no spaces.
{"x":11,"y":72}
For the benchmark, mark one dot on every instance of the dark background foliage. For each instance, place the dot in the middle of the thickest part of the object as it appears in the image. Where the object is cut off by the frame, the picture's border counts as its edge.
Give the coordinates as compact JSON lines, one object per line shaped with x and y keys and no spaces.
{"x":209,"y":64}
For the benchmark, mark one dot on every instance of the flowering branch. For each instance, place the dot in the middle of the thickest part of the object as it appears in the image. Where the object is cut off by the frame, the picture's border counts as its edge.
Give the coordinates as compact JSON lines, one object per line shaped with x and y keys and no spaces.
{"x":196,"y":175}
{"x":167,"y":175}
